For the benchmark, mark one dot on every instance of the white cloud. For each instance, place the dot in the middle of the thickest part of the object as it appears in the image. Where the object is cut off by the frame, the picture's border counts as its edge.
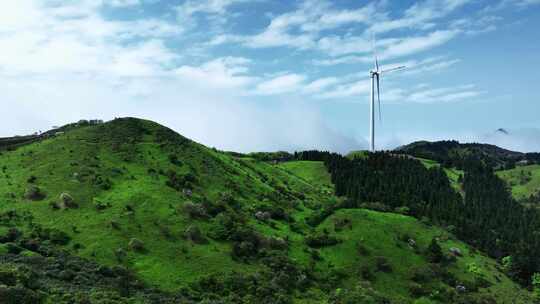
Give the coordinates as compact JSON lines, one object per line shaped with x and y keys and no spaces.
{"x":301,"y":28}
{"x":348,"y":90}
{"x":220,"y":73}
{"x":213,"y":12}
{"x":425,"y":94}
{"x":70,"y":38}
{"x":123,"y":3}
{"x":420,"y":15}
{"x":320,"y":84}
{"x":281,"y":84}
{"x":503,"y":4}
{"x":415,"y":44}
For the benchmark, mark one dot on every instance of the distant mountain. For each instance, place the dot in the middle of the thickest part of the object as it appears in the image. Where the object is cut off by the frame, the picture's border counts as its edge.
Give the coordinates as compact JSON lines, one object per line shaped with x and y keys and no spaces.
{"x":453,"y":153}
{"x":502,"y":131}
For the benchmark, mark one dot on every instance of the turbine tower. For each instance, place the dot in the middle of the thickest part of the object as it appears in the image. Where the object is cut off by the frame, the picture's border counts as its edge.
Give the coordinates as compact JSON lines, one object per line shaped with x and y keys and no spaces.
{"x":375,"y":76}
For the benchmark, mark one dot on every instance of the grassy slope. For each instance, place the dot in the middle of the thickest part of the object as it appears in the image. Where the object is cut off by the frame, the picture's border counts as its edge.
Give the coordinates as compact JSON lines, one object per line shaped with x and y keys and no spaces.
{"x":69,"y":162}
{"x":312,"y":172}
{"x":381,"y":234}
{"x":360,"y":154}
{"x":522,"y":190}
{"x":452,"y":173}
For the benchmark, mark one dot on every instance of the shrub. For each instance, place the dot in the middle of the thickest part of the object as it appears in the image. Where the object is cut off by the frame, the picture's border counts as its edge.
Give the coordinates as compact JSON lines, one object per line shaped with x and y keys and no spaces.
{"x":366,"y":273}
{"x":362,"y":249}
{"x":194,"y":234}
{"x":342,"y":223}
{"x":319,"y":240}
{"x":383,"y":264}
{"x":11,"y":235}
{"x":422,"y":274}
{"x":173,"y":158}
{"x":417,"y":290}
{"x":362,"y":293}
{"x":34,"y":193}
{"x":180,"y":182}
{"x":434,"y":252}
{"x":101,"y":205}
{"x":195,"y":211}
{"x":58,"y":237}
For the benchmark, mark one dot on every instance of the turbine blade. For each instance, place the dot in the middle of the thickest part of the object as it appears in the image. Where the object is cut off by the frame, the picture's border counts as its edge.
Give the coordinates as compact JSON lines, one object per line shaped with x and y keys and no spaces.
{"x":394,"y":69}
{"x":379,"y":97}
{"x":374,"y":48}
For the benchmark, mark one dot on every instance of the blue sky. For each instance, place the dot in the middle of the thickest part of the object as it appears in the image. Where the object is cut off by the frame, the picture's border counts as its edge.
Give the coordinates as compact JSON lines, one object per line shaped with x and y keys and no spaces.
{"x":269,"y":75}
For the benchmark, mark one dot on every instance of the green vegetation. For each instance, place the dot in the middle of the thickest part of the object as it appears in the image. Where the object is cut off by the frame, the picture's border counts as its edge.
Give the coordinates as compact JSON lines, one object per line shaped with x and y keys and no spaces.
{"x":131,"y":199}
{"x":523,"y":180}
{"x":360,"y":154}
{"x":313,"y":172}
{"x":453,"y":174}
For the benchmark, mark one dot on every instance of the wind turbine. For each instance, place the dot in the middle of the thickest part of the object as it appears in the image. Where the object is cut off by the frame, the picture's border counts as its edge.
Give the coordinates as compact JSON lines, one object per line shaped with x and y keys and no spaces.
{"x":375,"y":75}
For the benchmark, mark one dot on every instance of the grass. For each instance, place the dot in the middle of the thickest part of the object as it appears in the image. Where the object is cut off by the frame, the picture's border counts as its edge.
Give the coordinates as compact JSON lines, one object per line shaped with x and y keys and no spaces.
{"x":452,"y":173}
{"x":381,"y":234}
{"x":523,"y":180}
{"x":131,"y":155}
{"x":313,"y":172}
{"x":360,"y":154}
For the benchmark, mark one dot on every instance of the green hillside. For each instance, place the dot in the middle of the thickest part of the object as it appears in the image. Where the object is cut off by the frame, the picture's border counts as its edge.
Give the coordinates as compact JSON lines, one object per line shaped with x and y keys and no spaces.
{"x":453,"y":153}
{"x":199,"y":224}
{"x":523,"y":180}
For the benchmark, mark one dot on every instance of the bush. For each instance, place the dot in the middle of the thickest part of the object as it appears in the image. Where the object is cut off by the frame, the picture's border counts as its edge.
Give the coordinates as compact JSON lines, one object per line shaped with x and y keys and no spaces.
{"x":11,"y":235}
{"x":417,"y":290}
{"x":422,"y":274}
{"x":173,"y":158}
{"x":434,"y":252}
{"x":383,"y":264}
{"x":34,"y":193}
{"x":195,"y":211}
{"x":366,"y":273}
{"x":362,"y":249}
{"x":58,"y":237}
{"x":342,"y":223}
{"x":101,"y":205}
{"x":319,"y":240}
{"x":194,"y":234}
{"x":362,"y":293}
{"x":180,"y":182}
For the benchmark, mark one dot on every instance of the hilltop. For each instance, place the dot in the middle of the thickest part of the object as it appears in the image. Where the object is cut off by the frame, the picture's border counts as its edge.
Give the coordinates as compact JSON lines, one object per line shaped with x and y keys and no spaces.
{"x":520,"y":170}
{"x":454,"y":153}
{"x":129,"y":210}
